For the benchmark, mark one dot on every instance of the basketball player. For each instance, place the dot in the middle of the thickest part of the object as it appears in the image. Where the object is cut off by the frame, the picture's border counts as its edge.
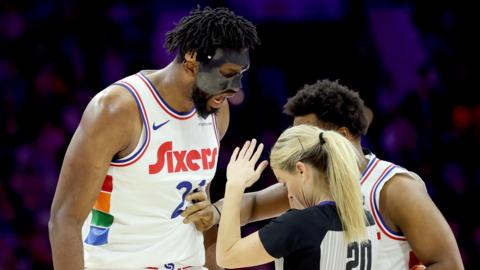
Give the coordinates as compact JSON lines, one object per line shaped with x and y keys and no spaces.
{"x":327,"y":227}
{"x":410,"y":227}
{"x":143,"y":144}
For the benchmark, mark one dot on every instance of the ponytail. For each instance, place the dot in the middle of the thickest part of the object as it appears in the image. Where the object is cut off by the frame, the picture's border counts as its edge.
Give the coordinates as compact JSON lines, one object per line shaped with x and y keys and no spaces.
{"x":343,"y":176}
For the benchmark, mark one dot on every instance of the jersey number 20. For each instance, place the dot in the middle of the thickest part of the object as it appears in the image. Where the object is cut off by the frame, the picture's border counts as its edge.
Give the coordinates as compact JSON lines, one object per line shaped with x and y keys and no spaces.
{"x":360,"y":256}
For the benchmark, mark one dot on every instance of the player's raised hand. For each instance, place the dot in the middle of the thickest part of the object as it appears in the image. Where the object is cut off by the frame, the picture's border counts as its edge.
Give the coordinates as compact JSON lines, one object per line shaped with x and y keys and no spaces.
{"x":241,"y":171}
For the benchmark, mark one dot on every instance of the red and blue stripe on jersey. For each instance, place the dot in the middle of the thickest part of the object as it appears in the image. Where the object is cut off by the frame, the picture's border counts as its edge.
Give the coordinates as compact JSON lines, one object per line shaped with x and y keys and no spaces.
{"x":139,"y":153}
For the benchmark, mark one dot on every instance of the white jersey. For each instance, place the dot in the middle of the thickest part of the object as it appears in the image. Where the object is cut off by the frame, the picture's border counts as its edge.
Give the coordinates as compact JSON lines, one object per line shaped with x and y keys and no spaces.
{"x":135,"y":222}
{"x":395,"y":252}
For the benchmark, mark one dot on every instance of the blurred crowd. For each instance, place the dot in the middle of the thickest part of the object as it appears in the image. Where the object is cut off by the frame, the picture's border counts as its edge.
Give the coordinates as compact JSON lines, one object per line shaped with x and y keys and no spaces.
{"x":56,"y":55}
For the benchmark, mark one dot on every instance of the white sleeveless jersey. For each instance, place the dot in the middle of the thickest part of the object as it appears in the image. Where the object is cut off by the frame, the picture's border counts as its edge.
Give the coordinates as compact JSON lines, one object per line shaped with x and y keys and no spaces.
{"x":135,"y":222}
{"x":395,"y":252}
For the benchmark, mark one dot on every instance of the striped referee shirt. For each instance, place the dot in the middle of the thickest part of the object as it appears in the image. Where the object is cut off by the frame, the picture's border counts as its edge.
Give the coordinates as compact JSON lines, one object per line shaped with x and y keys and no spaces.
{"x":313,"y":238}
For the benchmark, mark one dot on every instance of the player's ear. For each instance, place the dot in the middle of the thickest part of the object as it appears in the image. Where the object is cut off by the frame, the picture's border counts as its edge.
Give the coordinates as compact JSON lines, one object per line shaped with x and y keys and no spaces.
{"x":345,"y":133}
{"x":190,"y":63}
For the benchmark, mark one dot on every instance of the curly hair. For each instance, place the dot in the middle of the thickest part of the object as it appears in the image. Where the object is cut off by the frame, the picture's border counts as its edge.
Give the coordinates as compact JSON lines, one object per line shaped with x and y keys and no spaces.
{"x":203,"y":31}
{"x":332,"y":103}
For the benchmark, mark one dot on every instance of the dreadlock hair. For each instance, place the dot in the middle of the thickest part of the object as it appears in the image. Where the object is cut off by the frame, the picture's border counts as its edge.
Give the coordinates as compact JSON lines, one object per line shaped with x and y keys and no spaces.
{"x":332,"y":103}
{"x":203,"y":31}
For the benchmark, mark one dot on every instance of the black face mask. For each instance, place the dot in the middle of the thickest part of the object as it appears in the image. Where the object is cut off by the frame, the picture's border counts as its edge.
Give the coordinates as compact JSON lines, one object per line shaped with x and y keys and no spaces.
{"x":211,"y":82}
{"x":209,"y":78}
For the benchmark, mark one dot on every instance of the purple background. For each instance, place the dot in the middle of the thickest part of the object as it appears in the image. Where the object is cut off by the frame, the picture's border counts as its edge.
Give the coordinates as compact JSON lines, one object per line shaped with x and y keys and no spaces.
{"x":414,"y":62}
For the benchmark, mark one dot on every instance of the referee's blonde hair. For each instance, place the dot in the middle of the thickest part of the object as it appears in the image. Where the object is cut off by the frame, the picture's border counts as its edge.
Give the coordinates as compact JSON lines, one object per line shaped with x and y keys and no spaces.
{"x":335,"y":157}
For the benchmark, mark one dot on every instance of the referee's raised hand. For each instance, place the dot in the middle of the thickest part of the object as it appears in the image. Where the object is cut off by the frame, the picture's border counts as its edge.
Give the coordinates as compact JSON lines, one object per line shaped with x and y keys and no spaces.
{"x":241,"y":171}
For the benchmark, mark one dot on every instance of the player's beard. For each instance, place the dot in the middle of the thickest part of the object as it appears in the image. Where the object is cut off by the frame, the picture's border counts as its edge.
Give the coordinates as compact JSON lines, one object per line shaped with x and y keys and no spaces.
{"x":200,"y":100}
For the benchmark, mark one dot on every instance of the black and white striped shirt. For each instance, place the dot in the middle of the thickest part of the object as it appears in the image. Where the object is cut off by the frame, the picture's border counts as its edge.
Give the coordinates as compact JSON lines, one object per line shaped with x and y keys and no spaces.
{"x":312,"y":238}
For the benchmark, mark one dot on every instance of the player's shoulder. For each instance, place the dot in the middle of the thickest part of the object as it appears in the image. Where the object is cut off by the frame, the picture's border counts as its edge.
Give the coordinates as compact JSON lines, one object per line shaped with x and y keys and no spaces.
{"x":113,"y":102}
{"x":397,"y":176}
{"x":113,"y":106}
{"x":403,"y":191}
{"x":403,"y":183}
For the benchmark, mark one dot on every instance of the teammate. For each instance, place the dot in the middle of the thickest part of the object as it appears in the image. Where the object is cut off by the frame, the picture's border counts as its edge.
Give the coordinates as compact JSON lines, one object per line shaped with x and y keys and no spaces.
{"x":410,"y":226}
{"x":327,"y":227}
{"x":143,"y":144}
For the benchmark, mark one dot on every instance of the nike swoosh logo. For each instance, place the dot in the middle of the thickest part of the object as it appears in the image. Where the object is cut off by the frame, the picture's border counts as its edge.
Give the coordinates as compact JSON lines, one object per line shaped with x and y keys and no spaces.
{"x":155,"y":127}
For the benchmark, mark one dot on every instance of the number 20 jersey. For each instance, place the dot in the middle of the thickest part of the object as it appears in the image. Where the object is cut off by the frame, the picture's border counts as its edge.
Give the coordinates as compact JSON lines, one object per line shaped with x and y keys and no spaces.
{"x":136,"y":222}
